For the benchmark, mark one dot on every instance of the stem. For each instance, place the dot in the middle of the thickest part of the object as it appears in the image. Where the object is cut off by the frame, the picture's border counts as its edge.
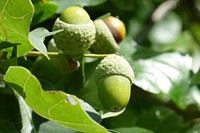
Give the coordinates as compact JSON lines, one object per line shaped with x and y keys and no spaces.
{"x":50,"y":54}
{"x":58,"y":54}
{"x":95,"y":55}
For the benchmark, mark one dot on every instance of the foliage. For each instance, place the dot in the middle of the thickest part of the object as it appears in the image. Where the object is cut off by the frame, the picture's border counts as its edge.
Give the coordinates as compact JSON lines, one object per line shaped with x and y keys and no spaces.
{"x":45,"y":91}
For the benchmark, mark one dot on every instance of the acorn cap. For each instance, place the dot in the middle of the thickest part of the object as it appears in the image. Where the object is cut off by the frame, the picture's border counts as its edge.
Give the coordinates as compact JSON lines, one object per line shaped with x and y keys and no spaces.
{"x":104,"y":41}
{"x":74,"y":39}
{"x":114,"y":65}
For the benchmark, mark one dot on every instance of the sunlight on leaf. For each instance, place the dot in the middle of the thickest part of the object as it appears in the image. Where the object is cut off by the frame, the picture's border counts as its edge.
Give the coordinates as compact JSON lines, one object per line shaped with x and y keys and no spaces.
{"x":166,"y":74}
{"x":57,"y":106}
{"x":194,"y":95}
{"x":166,"y":30}
{"x":15,"y":19}
{"x":195,"y":58}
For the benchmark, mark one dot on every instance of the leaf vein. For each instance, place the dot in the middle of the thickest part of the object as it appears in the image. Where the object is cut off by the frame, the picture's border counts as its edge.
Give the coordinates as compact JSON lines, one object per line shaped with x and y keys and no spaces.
{"x":52,"y":107}
{"x":26,"y":82}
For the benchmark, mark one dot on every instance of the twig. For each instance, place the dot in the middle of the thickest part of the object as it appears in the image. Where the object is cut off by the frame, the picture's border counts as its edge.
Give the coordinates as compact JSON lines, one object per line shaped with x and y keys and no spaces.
{"x":58,"y":54}
{"x":163,"y":9}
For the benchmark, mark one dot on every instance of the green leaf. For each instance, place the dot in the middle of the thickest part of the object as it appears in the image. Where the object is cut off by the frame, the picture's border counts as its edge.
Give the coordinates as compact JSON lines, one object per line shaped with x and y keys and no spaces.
{"x":43,"y":11}
{"x":196,"y":78}
{"x":127,"y":119}
{"x":27,"y":123}
{"x":5,"y":64}
{"x":51,"y":70}
{"x":184,"y":43}
{"x":166,"y":30}
{"x":127,"y":48}
{"x":37,"y":37}
{"x":162,"y":72}
{"x":194,"y":95}
{"x":57,"y":106}
{"x":166,"y":74}
{"x":89,"y":92}
{"x":9,"y":113}
{"x":160,"y":119}
{"x":195,"y":128}
{"x":194,"y":28}
{"x":90,"y":111}
{"x":15,"y":24}
{"x":131,"y":51}
{"x":62,"y":4}
{"x":127,"y":5}
{"x":4,"y":45}
{"x":133,"y":130}
{"x":14,"y":51}
{"x":43,"y":125}
{"x":7,"y":127}
{"x":52,"y":127}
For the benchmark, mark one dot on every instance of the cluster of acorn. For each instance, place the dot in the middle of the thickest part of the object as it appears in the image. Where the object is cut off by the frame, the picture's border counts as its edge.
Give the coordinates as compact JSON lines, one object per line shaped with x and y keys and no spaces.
{"x":114,"y":76}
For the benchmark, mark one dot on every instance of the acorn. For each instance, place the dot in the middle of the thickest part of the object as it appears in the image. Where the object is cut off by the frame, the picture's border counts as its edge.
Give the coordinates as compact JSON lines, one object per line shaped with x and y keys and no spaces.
{"x":78,"y":31}
{"x":114,"y":77}
{"x":116,"y":27}
{"x":109,"y":32}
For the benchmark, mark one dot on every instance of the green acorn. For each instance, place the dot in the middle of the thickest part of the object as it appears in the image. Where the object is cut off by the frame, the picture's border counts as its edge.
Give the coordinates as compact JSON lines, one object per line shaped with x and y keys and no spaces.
{"x":114,"y":77}
{"x":109,"y":32}
{"x":78,"y":31}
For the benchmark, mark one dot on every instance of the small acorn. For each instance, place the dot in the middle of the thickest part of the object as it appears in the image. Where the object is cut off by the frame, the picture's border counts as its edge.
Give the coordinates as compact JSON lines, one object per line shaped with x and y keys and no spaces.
{"x":114,"y":77}
{"x":109,"y":32}
{"x":78,"y":31}
{"x":116,"y":27}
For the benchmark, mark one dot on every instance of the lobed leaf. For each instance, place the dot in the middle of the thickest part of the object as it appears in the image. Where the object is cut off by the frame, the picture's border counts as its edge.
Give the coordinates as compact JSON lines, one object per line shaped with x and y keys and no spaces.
{"x":57,"y":106}
{"x":15,"y":24}
{"x":167,"y":74}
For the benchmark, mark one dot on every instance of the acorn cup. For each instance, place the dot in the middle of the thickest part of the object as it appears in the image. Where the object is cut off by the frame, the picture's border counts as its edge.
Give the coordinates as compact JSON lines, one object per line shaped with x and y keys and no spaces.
{"x":114,"y":77}
{"x":109,"y":32}
{"x":78,"y":31}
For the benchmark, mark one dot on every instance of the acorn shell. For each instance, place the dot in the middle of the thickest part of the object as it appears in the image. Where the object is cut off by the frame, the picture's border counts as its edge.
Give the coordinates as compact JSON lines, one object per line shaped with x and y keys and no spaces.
{"x":104,"y":41}
{"x":74,"y":39}
{"x":114,"y":65}
{"x":114,"y":92}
